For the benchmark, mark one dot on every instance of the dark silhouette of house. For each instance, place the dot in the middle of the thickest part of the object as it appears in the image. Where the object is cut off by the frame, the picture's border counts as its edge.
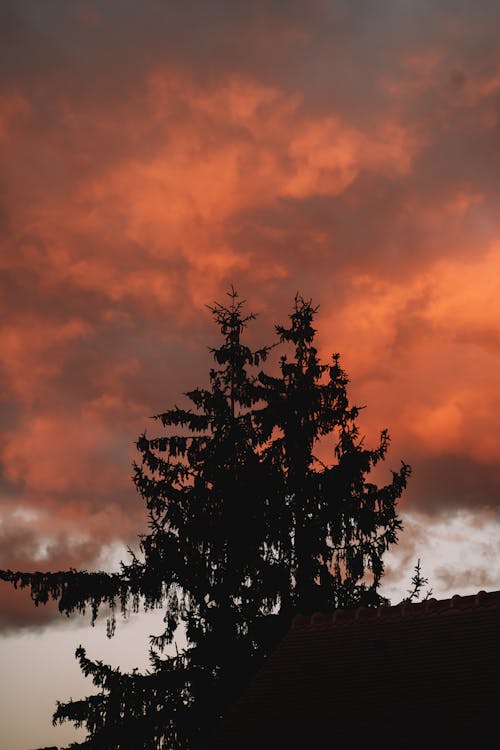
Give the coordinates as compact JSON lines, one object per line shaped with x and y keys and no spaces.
{"x":423,"y":675}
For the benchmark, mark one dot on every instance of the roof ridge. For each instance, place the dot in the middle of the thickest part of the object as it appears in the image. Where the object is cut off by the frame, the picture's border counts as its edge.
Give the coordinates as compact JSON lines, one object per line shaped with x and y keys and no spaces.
{"x":456,"y":603}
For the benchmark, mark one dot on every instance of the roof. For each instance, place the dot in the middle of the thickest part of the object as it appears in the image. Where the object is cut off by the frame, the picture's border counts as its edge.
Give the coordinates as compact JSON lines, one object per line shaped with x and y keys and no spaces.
{"x":386,"y":669}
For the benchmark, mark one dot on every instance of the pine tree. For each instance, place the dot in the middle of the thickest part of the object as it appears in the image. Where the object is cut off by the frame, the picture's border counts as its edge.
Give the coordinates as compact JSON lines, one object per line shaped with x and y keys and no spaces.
{"x":246,"y":527}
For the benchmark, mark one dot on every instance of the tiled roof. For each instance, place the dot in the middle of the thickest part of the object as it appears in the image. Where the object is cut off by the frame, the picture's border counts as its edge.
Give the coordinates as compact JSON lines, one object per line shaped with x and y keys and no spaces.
{"x":385,"y":669}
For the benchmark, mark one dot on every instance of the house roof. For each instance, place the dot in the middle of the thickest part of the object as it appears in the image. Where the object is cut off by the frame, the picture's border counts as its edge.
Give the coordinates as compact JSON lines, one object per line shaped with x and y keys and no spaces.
{"x":392,"y":668}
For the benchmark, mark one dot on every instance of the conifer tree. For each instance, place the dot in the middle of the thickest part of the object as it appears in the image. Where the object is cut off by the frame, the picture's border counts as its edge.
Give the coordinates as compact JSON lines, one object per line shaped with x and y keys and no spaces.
{"x":246,"y":527}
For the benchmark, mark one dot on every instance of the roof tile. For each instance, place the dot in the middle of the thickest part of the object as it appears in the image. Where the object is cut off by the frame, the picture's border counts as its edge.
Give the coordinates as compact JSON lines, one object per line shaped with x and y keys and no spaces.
{"x":434,"y":661}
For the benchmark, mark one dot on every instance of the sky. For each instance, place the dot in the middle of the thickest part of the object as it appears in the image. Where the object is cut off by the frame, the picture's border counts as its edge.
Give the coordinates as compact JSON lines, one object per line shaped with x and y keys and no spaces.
{"x":155,"y":153}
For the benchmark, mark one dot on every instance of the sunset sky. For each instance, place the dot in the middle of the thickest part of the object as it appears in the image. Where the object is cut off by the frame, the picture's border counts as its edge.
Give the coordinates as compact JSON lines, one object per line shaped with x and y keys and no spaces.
{"x":154,"y":153}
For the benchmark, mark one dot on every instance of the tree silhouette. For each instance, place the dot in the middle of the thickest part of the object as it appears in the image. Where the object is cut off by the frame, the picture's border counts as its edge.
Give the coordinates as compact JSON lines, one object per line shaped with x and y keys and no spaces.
{"x":246,"y":527}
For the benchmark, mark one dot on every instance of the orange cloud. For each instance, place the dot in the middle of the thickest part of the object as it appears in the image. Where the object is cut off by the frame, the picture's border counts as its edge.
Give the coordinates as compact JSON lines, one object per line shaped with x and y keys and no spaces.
{"x":12,"y":108}
{"x":151,"y":168}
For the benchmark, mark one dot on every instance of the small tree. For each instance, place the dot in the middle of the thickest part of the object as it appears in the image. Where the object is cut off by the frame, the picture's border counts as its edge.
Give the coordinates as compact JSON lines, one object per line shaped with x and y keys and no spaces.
{"x":246,"y":527}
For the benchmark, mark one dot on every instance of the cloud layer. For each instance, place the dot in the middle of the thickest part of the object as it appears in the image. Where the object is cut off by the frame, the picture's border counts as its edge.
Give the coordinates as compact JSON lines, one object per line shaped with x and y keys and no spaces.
{"x":153,"y":154}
